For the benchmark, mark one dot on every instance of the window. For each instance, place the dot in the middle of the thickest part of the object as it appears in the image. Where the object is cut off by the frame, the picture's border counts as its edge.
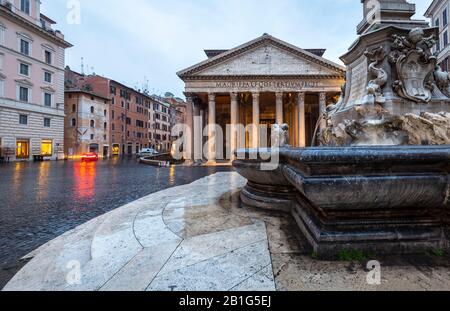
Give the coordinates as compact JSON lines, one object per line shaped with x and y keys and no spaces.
{"x":23,"y":94}
{"x":438,"y":41}
{"x":92,"y":109}
{"x":445,"y":17}
{"x":24,"y":47}
{"x":48,"y":57}
{"x":23,"y":119}
{"x":92,"y":123}
{"x":113,"y":127}
{"x":46,"y":148}
{"x":74,"y":122}
{"x":112,"y":114}
{"x":24,"y":69}
{"x":105,"y":125}
{"x":22,"y":149}
{"x":2,"y":34}
{"x":47,"y":99}
{"x":25,"y":6}
{"x":105,"y":113}
{"x":47,"y":77}
{"x":2,"y":88}
{"x":437,"y":23}
{"x":445,"y":38}
{"x":92,"y":136}
{"x":444,"y":64}
{"x":74,"y":108}
{"x":46,"y":122}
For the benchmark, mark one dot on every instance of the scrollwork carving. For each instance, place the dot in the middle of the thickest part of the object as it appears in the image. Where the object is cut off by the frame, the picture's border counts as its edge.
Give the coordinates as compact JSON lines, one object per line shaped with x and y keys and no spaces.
{"x":414,"y":62}
{"x":375,"y":86}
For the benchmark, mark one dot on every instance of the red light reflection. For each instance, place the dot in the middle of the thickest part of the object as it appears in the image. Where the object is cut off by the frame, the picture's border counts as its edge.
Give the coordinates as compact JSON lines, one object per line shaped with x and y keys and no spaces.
{"x":84,"y":174}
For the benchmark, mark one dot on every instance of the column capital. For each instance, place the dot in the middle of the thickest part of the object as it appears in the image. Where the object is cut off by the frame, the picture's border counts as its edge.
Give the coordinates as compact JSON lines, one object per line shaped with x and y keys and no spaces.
{"x":279,"y":94}
{"x":234,"y":96}
{"x":211,"y":96}
{"x":255,"y":95}
{"x":301,"y":96}
{"x":189,"y":97}
{"x":323,"y":96}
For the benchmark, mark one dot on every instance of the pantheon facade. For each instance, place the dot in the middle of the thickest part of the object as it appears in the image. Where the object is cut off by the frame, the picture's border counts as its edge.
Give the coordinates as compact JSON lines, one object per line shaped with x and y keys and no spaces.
{"x":262,"y":82}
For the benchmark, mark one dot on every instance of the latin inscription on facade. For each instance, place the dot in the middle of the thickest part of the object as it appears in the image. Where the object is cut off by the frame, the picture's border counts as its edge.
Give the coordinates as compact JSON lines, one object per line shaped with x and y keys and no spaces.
{"x":358,"y":80}
{"x":245,"y":85}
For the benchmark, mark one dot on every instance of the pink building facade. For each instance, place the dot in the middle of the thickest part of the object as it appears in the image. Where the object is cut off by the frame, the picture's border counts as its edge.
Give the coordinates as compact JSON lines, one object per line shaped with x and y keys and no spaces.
{"x":32,"y":61}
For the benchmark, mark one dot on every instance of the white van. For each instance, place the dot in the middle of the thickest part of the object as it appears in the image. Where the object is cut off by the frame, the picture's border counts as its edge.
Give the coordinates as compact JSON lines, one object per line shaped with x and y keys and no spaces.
{"x":146,"y":152}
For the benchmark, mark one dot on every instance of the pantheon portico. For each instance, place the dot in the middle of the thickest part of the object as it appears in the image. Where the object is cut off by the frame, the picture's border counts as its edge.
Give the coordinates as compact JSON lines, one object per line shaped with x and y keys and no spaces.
{"x":264,"y":81}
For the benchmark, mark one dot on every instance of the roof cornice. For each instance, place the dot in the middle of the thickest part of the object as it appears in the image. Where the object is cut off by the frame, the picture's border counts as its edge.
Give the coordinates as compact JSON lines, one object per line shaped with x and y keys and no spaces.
{"x":431,"y":8}
{"x":17,"y":18}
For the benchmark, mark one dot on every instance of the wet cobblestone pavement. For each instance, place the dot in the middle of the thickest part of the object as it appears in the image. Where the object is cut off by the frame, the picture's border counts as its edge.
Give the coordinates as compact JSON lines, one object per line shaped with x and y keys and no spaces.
{"x":40,"y":201}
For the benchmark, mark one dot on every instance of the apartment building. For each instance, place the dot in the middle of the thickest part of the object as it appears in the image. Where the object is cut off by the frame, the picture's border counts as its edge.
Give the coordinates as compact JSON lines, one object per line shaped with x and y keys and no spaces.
{"x":32,"y":56}
{"x":159,"y":131}
{"x":438,"y":13}
{"x":128,"y":113}
{"x":86,"y":124}
{"x":177,"y":115}
{"x":129,"y":119}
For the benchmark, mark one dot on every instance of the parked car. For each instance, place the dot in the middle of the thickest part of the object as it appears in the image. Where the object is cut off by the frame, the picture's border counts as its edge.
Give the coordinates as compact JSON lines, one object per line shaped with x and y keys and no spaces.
{"x":146,"y":152}
{"x":89,"y":156}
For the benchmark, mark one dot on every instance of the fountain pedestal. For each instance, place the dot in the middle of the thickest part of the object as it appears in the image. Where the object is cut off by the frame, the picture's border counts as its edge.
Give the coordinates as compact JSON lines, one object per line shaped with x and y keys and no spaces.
{"x":344,"y":199}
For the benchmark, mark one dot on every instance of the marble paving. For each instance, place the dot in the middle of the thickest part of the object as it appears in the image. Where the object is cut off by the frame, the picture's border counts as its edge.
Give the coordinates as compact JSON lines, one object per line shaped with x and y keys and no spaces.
{"x":199,"y":237}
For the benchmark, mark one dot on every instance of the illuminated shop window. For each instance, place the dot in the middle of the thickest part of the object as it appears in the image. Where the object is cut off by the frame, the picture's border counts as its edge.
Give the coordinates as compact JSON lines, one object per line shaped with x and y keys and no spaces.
{"x":22,"y":149}
{"x":46,"y":148}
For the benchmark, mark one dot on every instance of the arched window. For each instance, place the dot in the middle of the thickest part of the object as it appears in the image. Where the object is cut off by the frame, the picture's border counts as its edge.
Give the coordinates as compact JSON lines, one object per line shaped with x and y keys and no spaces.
{"x":92,"y":109}
{"x":74,"y":122}
{"x":92,"y":123}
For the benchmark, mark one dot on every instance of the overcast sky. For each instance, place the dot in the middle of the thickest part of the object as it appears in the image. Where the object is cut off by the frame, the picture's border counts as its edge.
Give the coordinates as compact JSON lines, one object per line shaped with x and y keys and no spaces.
{"x":134,"y":40}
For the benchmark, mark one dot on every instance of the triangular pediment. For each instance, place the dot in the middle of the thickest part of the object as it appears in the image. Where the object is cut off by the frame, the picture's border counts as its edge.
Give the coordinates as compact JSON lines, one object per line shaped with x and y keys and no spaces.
{"x":48,"y":89}
{"x":24,"y":82}
{"x":265,"y":56}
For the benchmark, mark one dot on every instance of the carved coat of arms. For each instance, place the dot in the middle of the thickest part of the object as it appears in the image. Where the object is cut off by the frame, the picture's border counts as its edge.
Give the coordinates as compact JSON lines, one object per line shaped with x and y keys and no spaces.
{"x":415,"y":65}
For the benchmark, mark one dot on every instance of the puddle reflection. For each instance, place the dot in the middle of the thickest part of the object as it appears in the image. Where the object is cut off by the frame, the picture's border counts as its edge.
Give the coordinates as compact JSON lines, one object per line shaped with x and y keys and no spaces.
{"x":84,"y":175}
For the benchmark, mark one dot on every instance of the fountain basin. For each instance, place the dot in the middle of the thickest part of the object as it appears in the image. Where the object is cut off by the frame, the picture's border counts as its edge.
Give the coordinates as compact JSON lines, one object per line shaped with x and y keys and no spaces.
{"x":374,"y":199}
{"x":266,"y":189}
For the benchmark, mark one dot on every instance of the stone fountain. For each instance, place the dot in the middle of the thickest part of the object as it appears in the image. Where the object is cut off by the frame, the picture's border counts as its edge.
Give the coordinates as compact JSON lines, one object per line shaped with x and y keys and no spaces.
{"x":380,"y":180}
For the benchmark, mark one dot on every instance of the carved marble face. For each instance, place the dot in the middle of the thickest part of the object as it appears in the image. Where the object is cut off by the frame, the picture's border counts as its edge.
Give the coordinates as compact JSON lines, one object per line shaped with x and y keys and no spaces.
{"x":416,"y":35}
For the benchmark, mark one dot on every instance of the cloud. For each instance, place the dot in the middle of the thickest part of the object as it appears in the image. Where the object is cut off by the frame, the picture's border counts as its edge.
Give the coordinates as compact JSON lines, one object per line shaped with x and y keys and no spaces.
{"x":133,"y":39}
